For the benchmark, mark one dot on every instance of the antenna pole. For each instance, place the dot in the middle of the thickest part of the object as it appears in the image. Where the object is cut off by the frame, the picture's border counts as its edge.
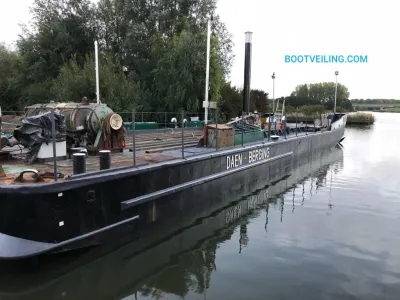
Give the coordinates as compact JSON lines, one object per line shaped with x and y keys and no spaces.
{"x":247,"y":72}
{"x":97,"y":71}
{"x":334,"y":108}
{"x":273,"y":92}
{"x":207,"y":73}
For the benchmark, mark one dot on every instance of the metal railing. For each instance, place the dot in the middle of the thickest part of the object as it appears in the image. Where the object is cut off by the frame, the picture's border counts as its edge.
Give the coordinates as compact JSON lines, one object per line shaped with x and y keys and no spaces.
{"x":145,"y":117}
{"x":183,"y":125}
{"x":300,"y":127}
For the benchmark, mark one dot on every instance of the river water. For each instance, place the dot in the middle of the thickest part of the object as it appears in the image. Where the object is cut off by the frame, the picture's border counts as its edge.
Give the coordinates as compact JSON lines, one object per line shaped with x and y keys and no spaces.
{"x":334,"y":234}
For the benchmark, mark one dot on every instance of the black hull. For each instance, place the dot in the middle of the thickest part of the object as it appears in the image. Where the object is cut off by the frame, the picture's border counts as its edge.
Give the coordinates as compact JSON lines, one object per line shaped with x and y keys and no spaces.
{"x":94,"y":208}
{"x":120,"y":273}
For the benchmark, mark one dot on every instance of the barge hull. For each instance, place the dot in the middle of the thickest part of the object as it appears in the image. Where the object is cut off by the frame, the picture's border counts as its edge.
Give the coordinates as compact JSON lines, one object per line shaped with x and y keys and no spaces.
{"x":213,"y":221}
{"x":90,"y":209}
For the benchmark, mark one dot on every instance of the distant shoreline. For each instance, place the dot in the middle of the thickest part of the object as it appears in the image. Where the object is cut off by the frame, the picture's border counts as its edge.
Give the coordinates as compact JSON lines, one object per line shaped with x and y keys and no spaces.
{"x":378,"y":111}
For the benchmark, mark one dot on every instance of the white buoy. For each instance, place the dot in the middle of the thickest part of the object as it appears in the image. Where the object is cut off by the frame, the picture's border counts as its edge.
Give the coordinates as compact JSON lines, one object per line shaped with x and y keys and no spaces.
{"x":175,"y":121}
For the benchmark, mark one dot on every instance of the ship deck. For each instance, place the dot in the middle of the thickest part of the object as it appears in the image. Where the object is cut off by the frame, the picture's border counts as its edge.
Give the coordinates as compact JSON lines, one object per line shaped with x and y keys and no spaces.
{"x":151,"y":148}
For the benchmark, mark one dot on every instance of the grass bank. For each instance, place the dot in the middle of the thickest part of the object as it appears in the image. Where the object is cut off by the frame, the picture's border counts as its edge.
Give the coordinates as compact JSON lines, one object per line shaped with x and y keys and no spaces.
{"x":361,"y":118}
{"x":392,"y":109}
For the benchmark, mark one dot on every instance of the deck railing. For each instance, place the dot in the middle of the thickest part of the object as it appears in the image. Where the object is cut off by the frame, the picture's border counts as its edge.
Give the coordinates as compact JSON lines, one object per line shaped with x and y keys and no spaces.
{"x":135,"y":121}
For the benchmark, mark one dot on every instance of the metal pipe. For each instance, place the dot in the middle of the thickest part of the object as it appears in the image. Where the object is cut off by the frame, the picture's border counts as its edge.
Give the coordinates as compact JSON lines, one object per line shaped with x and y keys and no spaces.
{"x":207,"y":73}
{"x":183,"y":138}
{"x":336,"y":73}
{"x":306,"y":127}
{"x":133,"y":139}
{"x":97,"y":71}
{"x":284,"y":127}
{"x":105,"y":159}
{"x":73,"y":109}
{"x":79,"y":163}
{"x":53,"y":133}
{"x":315,"y":129}
{"x":269,"y":128}
{"x":296,"y":120}
{"x":216,"y":128}
{"x":72,"y":121}
{"x":322,"y":122}
{"x":242,"y":128}
{"x":247,"y":72}
{"x":273,"y":92}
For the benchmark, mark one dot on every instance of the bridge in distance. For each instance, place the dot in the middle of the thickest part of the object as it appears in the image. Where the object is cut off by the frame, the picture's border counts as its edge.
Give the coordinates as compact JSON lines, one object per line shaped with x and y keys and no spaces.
{"x":375,"y":106}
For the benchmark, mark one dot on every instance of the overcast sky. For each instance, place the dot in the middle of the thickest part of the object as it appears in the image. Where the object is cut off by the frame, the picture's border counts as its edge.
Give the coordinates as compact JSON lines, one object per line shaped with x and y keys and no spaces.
{"x":297,"y":27}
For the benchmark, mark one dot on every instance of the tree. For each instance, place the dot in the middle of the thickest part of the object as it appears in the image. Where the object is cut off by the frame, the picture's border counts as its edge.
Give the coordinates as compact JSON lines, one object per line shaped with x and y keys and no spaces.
{"x":149,"y":38}
{"x":116,"y":91}
{"x":161,"y":46}
{"x":231,"y":103}
{"x":319,"y":93}
{"x":258,"y":101}
{"x":9,"y":79}
{"x":60,"y":29}
{"x":179,"y":75}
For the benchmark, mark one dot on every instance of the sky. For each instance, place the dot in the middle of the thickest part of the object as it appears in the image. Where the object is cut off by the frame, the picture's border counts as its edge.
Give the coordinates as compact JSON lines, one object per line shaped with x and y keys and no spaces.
{"x":296,"y":27}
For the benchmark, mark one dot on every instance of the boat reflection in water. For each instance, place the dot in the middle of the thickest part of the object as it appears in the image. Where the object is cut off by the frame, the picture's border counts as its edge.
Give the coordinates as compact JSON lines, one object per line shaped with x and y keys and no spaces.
{"x":176,"y":259}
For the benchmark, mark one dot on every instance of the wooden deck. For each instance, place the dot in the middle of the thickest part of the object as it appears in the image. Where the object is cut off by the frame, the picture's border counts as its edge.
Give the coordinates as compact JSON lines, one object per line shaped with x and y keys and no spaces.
{"x":150,"y":149}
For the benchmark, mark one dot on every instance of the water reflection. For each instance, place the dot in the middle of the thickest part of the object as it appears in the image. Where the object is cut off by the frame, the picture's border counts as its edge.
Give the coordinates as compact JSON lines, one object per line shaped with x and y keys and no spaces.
{"x":247,"y":210}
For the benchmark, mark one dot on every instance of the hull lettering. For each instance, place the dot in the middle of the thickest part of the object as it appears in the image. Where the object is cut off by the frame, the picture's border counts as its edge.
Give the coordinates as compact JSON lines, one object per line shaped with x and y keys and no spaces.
{"x":234,"y":161}
{"x":253,"y":156}
{"x":258,"y":154}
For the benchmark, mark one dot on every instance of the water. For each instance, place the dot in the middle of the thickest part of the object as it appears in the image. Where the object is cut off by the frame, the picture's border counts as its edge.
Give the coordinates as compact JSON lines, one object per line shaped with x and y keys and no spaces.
{"x":333,"y":235}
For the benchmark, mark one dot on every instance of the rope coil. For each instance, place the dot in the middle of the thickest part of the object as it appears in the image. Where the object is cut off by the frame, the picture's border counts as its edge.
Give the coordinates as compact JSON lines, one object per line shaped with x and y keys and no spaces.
{"x":109,"y":133}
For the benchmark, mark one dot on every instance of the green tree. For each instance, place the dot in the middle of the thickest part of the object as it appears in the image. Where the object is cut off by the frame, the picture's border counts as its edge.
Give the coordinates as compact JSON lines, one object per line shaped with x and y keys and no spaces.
{"x":116,"y":91}
{"x":179,"y":75}
{"x":60,"y":29}
{"x":319,"y":93}
{"x":231,"y":103}
{"x":9,"y":79}
{"x":258,"y":101}
{"x":160,"y":45}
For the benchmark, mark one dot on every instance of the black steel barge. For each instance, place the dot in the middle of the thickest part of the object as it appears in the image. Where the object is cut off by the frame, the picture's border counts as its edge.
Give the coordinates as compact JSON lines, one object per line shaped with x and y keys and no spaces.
{"x":93,"y":207}
{"x":90,"y":208}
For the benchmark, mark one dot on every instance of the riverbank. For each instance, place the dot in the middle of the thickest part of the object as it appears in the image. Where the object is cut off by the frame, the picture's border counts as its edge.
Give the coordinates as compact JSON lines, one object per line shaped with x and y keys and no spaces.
{"x":385,"y":110}
{"x":360,"y":119}
{"x":352,"y":118}
{"x":392,"y":110}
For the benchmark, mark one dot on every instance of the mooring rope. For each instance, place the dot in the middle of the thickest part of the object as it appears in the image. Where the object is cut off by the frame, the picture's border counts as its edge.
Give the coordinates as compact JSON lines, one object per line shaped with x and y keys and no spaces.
{"x":109,"y":132}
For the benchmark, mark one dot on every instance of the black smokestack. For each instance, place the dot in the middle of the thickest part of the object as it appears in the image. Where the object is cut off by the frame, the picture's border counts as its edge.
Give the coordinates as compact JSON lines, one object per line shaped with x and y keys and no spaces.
{"x":247,"y":71}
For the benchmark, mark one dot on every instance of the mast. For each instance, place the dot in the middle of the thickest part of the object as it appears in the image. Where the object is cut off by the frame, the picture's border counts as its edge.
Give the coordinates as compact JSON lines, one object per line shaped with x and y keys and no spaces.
{"x":273,"y":92}
{"x":206,"y":103}
{"x":334,"y":108}
{"x":97,"y":71}
{"x":247,"y":72}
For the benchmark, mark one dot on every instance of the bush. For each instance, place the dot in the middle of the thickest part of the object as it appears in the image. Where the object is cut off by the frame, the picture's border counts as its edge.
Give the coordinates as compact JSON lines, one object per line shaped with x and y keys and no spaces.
{"x":361,"y":118}
{"x":312,"y":110}
{"x":290,"y":109}
{"x":116,"y":91}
